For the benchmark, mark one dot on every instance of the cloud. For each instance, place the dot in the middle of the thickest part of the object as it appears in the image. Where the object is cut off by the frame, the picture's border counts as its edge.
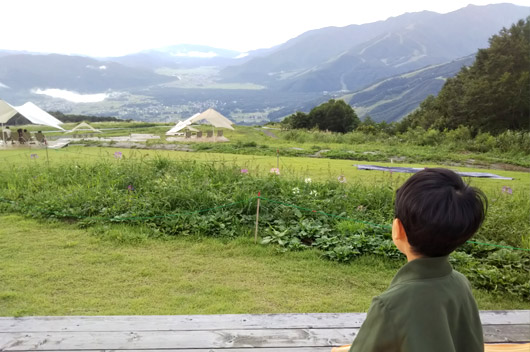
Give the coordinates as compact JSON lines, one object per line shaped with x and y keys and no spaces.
{"x":72,"y":96}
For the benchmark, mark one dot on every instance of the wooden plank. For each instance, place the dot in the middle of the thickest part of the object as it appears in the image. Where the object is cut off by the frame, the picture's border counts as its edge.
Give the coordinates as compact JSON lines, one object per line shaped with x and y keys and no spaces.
{"x":182,"y":322}
{"x":269,"y":338}
{"x":497,"y":317}
{"x":215,"y":322}
{"x":506,"y":333}
{"x":289,"y":349}
{"x":220,"y":339}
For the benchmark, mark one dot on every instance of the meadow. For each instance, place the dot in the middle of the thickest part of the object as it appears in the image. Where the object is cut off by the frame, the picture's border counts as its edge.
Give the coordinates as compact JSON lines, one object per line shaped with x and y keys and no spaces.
{"x":92,"y":230}
{"x":509,"y":150}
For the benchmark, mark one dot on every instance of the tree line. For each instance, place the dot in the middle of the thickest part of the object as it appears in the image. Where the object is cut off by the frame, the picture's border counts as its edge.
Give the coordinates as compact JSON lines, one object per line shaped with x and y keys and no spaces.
{"x":87,"y":118}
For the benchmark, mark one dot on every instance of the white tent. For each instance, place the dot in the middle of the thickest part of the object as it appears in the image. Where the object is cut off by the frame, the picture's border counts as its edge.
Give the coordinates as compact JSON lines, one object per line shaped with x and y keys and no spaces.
{"x":180,"y":126}
{"x":6,"y":111}
{"x":211,"y":116}
{"x":83,"y":126}
{"x":31,"y":112}
{"x":214,"y":118}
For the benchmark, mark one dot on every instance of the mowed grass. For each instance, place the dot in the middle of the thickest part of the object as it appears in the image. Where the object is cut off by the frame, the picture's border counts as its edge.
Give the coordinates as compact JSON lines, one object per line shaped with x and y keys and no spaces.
{"x":59,"y":269}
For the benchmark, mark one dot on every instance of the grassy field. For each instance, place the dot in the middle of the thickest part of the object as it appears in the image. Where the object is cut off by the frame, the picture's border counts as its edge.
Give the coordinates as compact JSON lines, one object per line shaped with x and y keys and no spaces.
{"x":253,"y":141}
{"x":59,"y":269}
{"x":56,"y":268}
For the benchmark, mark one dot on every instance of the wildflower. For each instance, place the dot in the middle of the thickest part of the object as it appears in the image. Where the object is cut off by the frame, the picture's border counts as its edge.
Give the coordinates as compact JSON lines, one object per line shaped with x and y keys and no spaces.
{"x":130,"y":188}
{"x":342,"y":179}
{"x":507,"y":190}
{"x":361,"y":208}
{"x":313,"y":193}
{"x":244,"y":171}
{"x":118,"y":155}
{"x":275,"y":171}
{"x":307,"y":180}
{"x":296,"y":190}
{"x":33,"y":156}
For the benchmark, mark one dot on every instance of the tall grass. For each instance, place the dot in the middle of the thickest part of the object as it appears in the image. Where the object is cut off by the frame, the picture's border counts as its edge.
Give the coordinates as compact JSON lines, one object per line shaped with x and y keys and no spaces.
{"x":114,"y":189}
{"x":139,"y":190}
{"x":512,"y":146}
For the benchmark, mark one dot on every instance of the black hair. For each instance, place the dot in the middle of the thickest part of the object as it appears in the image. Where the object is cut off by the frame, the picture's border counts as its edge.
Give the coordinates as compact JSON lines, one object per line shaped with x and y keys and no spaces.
{"x":439,"y":211}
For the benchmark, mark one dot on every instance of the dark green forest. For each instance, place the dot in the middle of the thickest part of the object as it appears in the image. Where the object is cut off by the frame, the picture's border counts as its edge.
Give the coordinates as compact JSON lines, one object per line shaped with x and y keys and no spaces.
{"x":334,"y":116}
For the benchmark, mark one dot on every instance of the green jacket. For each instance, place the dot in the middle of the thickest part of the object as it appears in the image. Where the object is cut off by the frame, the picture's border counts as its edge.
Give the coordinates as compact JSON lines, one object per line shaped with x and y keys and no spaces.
{"x":428,"y":307}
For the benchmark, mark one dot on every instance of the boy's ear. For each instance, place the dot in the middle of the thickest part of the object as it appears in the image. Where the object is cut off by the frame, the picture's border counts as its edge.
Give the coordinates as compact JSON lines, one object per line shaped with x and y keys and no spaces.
{"x":398,"y":231}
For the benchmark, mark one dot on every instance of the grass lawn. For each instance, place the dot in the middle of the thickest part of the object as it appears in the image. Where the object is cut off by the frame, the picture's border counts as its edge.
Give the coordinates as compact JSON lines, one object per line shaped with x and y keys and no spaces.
{"x":59,"y":269}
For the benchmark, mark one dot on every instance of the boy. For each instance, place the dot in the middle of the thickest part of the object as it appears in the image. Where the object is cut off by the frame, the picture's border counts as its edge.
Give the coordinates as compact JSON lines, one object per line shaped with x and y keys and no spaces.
{"x":428,"y":307}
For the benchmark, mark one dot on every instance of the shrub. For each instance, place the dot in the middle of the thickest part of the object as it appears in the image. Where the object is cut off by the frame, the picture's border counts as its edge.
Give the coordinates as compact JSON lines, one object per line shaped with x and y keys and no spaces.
{"x":483,"y":142}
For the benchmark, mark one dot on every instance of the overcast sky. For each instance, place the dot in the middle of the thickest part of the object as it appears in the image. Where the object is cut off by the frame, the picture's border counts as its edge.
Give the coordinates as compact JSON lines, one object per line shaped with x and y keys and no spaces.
{"x":119,"y":27}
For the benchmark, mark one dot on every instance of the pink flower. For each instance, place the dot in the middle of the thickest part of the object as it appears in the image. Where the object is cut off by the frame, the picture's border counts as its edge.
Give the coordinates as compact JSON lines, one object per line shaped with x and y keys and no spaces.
{"x":244,"y":171}
{"x":507,"y":190}
{"x":275,"y":171}
{"x":130,"y":188}
{"x":118,"y":155}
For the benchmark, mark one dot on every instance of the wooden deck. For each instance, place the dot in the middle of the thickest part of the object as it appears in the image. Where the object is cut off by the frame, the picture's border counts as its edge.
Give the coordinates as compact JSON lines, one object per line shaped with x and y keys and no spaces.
{"x":317,"y":332}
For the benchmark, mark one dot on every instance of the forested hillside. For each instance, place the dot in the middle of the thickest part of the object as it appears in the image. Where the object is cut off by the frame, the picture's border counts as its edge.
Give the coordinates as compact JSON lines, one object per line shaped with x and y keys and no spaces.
{"x":491,"y":95}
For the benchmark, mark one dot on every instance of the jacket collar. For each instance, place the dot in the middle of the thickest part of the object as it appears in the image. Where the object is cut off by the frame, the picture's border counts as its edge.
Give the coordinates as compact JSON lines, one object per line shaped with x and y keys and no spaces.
{"x":423,"y":268}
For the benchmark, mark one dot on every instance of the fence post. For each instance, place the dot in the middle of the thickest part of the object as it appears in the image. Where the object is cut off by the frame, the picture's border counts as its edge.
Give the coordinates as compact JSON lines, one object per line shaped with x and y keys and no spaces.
{"x":257,"y":219}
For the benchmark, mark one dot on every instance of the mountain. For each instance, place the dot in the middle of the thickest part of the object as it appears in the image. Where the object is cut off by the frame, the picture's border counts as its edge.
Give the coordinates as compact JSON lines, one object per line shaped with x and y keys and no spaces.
{"x":186,"y":56}
{"x":82,"y":74}
{"x":393,"y":98}
{"x":349,"y":58}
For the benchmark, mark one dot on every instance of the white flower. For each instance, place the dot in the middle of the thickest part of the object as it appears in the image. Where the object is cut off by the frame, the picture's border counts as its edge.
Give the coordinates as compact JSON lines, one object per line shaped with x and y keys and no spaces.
{"x":307,"y":180}
{"x":313,"y":193}
{"x":342,"y":179}
{"x":296,"y":190}
{"x":275,"y":170}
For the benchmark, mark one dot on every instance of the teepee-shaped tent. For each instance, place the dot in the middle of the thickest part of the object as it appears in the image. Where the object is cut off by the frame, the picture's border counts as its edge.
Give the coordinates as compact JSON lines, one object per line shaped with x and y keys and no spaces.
{"x":214,"y":118}
{"x":30,"y":114}
{"x":180,"y":126}
{"x":83,"y":126}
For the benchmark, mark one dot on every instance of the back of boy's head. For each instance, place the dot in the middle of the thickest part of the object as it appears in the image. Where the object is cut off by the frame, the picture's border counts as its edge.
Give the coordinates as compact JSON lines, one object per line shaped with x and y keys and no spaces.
{"x":439,"y":212}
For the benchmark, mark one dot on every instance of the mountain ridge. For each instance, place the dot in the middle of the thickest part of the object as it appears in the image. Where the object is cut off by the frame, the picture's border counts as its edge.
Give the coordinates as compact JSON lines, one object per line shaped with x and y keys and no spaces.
{"x":403,"y":39}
